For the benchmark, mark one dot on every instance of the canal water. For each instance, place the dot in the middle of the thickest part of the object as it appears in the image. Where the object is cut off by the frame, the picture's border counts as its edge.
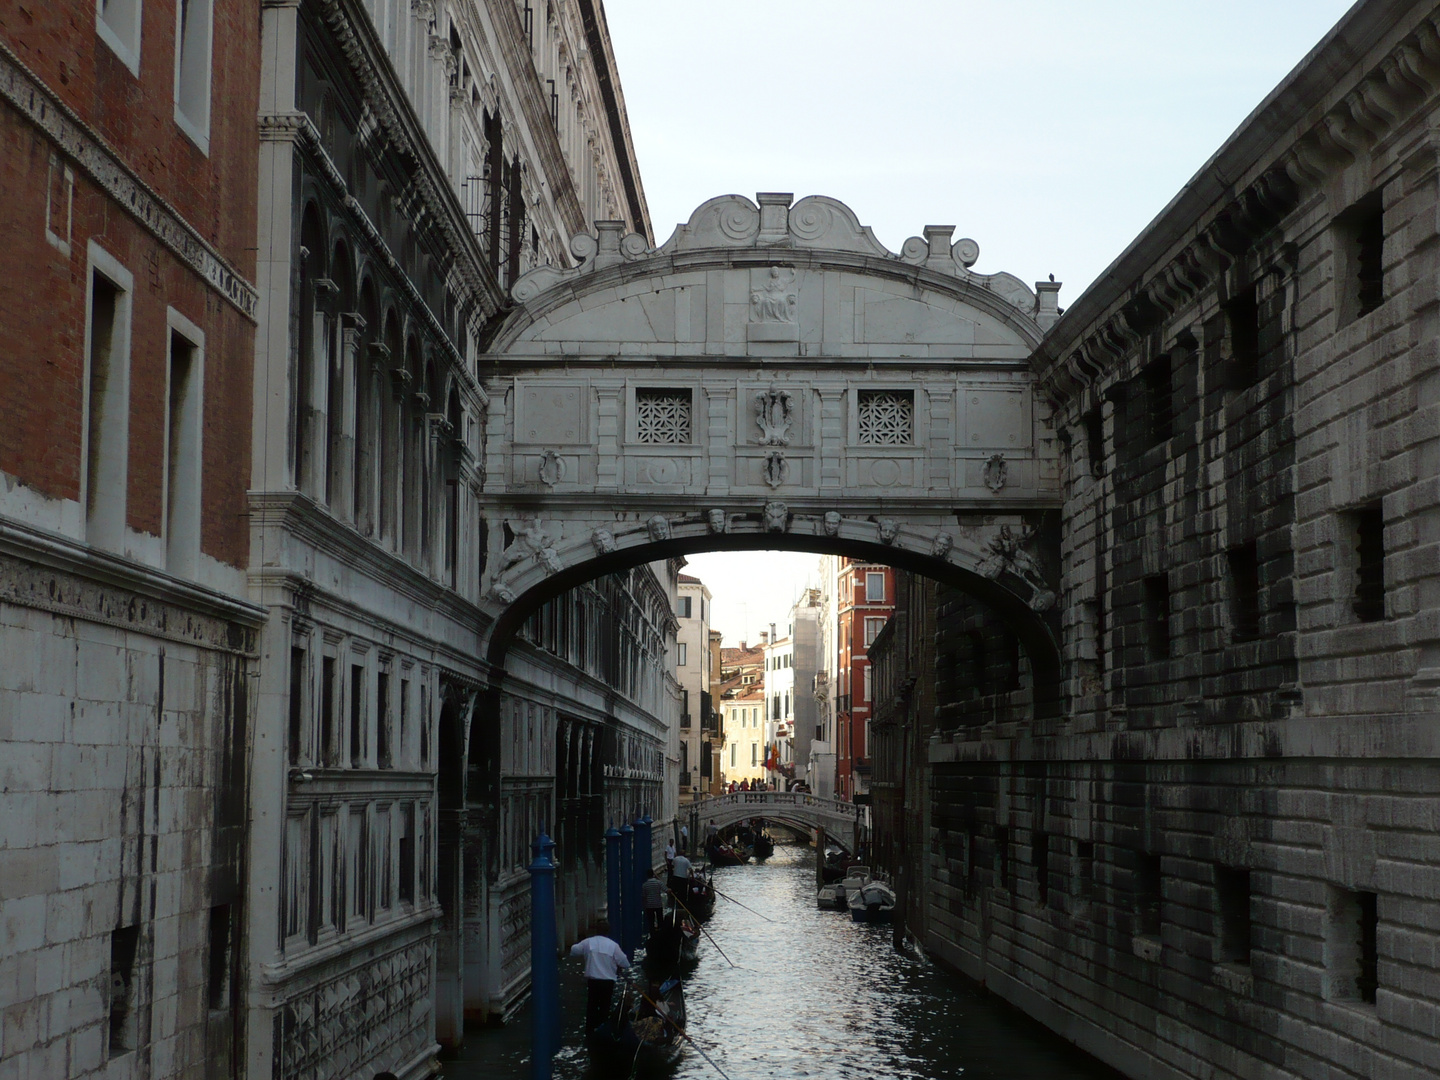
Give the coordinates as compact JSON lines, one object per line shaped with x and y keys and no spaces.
{"x":811,"y":995}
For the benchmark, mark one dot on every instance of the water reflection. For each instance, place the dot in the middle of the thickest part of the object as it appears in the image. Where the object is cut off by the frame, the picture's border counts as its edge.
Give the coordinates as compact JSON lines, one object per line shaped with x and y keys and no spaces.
{"x":811,"y":995}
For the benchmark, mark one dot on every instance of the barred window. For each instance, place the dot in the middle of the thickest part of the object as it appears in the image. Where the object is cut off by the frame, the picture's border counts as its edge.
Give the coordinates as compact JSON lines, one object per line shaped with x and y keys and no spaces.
{"x":887,"y":417}
{"x":662,"y":416}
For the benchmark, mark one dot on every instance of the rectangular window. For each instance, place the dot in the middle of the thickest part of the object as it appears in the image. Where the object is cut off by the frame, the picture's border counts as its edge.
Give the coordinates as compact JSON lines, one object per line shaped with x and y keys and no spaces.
{"x":297,"y":705}
{"x":405,"y":724}
{"x":382,"y":719}
{"x":1360,"y":257}
{"x":1242,"y":323}
{"x":118,"y":24}
{"x":217,"y":982}
{"x":734,"y":753}
{"x":357,"y":716}
{"x":329,"y":883}
{"x":124,"y":947}
{"x":874,"y":588}
{"x":107,"y":402}
{"x":384,"y":880}
{"x":885,"y":417}
{"x":1158,"y":386}
{"x":1146,"y":895}
{"x":192,"y":70}
{"x":424,"y":723}
{"x":873,"y":626}
{"x":1157,"y":617}
{"x":358,"y":864}
{"x":183,"y":421}
{"x":328,"y":754}
{"x":754,"y":754}
{"x":296,"y":881}
{"x":1243,"y":563}
{"x":407,"y":853}
{"x":867,"y":685}
{"x":1094,"y":424}
{"x":1351,"y":938}
{"x":685,"y":607}
{"x":682,"y":653}
{"x":662,"y":417}
{"x":1362,"y":536}
{"x":1232,"y":903}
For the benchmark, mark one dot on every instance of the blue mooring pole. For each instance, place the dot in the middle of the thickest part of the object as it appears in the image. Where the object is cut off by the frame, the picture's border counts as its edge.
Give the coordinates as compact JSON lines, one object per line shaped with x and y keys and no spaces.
{"x":627,"y":887}
{"x":612,"y":883}
{"x":544,"y":969}
{"x":644,"y":853}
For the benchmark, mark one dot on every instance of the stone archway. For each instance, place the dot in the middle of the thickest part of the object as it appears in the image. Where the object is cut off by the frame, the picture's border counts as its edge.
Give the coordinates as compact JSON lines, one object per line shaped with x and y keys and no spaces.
{"x":770,"y":377}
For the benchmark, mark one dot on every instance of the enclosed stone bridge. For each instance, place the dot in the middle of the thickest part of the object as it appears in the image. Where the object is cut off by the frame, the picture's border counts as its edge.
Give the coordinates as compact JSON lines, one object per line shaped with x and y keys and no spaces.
{"x":769,"y":377}
{"x":839,"y":819}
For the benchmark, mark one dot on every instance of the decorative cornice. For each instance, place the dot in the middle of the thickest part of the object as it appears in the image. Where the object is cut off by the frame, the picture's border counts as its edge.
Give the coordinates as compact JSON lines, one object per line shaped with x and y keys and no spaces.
{"x":44,"y":570}
{"x":1209,"y":226}
{"x":79,"y":142}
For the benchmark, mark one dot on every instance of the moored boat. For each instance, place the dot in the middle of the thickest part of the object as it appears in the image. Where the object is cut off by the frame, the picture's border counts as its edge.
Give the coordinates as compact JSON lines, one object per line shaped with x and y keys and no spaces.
{"x":873,"y":902}
{"x":831,"y":897}
{"x":674,"y":941}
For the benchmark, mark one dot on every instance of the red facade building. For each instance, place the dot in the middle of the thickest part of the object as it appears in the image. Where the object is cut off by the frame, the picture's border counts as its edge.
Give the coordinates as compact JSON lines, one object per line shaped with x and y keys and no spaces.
{"x":865,"y":599}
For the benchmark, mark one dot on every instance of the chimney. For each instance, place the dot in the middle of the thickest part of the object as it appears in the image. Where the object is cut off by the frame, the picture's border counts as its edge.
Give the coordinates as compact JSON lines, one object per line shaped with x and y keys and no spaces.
{"x":743,"y":646}
{"x":764,"y":638}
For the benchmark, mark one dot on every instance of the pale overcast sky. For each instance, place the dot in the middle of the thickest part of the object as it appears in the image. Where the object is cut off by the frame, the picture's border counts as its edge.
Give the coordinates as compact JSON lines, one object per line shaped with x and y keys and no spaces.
{"x":1048,"y":132}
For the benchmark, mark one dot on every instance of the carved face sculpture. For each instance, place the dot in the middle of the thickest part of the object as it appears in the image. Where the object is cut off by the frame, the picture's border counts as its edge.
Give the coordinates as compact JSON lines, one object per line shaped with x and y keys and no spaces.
{"x":941,"y":547}
{"x":659,"y":528}
{"x":604,"y":541}
{"x":832,"y":523}
{"x":777,"y":516}
{"x":889,"y":530}
{"x":717,"y":520}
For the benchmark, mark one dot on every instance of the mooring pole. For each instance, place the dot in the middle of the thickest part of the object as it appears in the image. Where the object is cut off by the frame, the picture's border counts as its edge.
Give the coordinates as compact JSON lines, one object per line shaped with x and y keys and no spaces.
{"x":612,"y":883}
{"x":644,"y":856}
{"x":627,"y":887}
{"x":820,"y":857}
{"x":544,"y":970}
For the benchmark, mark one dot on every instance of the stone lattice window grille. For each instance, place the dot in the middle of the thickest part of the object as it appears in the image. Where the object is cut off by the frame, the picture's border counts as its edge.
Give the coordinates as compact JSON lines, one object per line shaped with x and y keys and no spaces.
{"x":886,"y":417}
{"x":662,"y":417}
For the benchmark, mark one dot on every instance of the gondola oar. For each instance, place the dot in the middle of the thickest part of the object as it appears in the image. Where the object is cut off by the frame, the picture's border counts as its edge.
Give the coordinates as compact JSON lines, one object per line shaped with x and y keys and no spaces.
{"x":701,"y":928}
{"x":680,"y":1029}
{"x":747,"y":907}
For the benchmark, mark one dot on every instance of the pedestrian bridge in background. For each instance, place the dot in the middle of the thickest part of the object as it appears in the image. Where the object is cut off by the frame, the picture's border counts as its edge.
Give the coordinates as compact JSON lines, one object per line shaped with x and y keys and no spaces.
{"x":838,"y":818}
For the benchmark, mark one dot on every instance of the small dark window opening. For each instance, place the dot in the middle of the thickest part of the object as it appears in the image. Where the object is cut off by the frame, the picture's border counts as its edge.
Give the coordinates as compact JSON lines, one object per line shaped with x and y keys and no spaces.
{"x":297,"y":702}
{"x":1244,"y":566}
{"x":217,"y":983}
{"x":1367,"y":534}
{"x":1084,"y":870}
{"x":1147,"y":895}
{"x":1094,"y":425}
{"x":1352,"y":944}
{"x":327,"y":711}
{"x":1242,"y":320}
{"x":970,"y":868}
{"x":1232,"y":898}
{"x":1157,"y":617}
{"x":1002,"y":855}
{"x":382,"y":720}
{"x":1367,"y":981}
{"x":1159,"y":409}
{"x":407,"y":853}
{"x":357,"y":716}
{"x":405,"y":722}
{"x":1367,"y":235}
{"x":124,"y":946}
{"x":1040,"y":859}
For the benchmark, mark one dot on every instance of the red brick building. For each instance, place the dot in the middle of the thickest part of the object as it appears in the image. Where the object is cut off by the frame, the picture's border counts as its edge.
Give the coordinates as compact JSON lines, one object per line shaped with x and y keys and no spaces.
{"x":128,"y":154}
{"x":865,"y":599}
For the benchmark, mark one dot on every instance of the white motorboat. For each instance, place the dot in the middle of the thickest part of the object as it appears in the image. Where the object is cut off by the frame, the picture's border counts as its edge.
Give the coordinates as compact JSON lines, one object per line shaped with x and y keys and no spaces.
{"x":873,"y":902}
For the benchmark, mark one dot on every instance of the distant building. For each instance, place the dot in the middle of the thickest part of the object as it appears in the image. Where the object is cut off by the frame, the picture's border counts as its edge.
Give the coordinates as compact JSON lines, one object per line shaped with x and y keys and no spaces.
{"x":864,"y":600}
{"x":743,"y":720}
{"x":694,"y":665}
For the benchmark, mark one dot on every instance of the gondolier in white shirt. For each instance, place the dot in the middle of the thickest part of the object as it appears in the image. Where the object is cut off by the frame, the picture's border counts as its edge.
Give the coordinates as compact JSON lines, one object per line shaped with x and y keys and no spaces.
{"x":604,"y":960}
{"x":679,"y":878}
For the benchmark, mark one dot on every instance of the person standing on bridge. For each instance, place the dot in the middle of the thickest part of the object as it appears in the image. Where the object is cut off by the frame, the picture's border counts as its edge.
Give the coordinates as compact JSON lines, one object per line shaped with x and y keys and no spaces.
{"x":604,"y":960}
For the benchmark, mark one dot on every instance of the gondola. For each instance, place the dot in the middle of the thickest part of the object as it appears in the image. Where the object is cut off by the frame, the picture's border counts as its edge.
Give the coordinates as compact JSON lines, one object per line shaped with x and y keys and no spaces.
{"x":641,"y":1036}
{"x":835,"y":865}
{"x":763,"y":847}
{"x":722,"y":854}
{"x":699,"y":896}
{"x":674,"y":942}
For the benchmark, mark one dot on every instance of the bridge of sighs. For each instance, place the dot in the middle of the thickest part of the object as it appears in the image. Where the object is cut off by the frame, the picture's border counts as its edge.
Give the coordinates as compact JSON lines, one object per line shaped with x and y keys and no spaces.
{"x":770,"y":377}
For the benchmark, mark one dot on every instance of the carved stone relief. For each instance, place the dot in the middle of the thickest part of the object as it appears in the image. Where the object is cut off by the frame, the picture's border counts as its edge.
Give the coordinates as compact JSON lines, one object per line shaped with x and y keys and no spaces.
{"x":552,"y":468}
{"x":888,"y":529}
{"x":774,"y":412}
{"x":777,"y":469}
{"x":831,"y":523}
{"x":773,"y":300}
{"x":531,"y":539}
{"x":997,"y":472}
{"x":659,"y":527}
{"x":942,"y":544}
{"x":1009,"y":556}
{"x":604,"y":541}
{"x":717,"y":520}
{"x":777,"y":517}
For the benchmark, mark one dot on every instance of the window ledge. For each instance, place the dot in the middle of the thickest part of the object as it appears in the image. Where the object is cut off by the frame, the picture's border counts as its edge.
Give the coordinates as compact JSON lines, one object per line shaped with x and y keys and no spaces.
{"x":1146,"y":948}
{"x":198,"y":135}
{"x":1234,"y":977}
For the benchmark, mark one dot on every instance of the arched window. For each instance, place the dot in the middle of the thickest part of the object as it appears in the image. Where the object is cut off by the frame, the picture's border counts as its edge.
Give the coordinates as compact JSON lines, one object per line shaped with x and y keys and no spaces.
{"x":338,"y":396}
{"x":367,"y":404}
{"x":309,"y":349}
{"x":391,"y":457}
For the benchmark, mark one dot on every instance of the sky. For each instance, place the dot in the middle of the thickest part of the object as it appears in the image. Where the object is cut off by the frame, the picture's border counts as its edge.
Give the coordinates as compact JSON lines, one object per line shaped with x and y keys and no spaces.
{"x":1050,"y":132}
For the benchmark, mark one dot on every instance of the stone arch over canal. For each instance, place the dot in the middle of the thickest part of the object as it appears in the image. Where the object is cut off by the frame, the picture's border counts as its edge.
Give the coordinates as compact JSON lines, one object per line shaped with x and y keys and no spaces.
{"x":771,"y":377}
